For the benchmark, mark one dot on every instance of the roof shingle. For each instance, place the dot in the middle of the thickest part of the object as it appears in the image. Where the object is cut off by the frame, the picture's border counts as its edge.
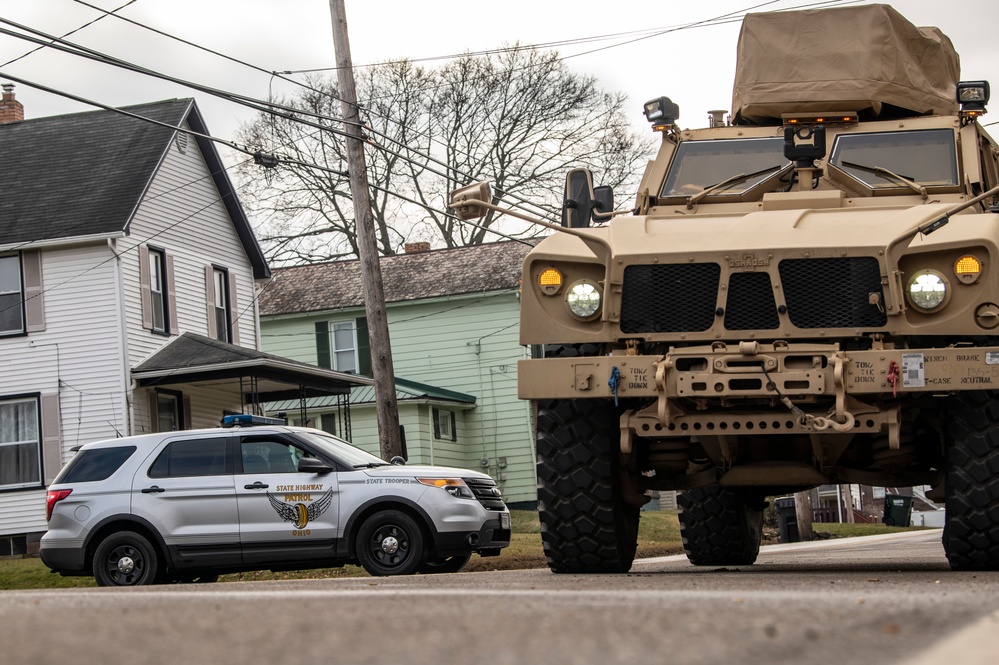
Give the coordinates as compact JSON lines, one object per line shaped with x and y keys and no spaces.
{"x":434,"y":274}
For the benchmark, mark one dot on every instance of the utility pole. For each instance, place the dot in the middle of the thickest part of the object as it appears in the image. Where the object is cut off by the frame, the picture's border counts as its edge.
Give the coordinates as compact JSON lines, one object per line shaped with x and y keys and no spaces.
{"x":390,"y":442}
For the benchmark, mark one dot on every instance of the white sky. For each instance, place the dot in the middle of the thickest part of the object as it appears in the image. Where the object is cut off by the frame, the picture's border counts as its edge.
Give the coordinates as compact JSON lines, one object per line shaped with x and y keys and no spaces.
{"x":694,"y":67}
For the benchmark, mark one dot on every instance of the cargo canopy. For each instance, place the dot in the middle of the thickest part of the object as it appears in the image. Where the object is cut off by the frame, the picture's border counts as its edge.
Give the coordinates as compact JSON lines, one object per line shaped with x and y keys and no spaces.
{"x":867,"y":59}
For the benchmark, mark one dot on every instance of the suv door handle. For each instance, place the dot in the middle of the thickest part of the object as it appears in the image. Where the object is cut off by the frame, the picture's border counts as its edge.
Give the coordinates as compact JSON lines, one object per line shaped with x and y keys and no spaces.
{"x":256,"y":486}
{"x":155,"y":489}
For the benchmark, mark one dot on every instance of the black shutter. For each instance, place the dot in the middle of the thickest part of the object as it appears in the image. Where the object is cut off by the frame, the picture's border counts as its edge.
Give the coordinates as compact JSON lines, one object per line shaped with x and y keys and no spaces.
{"x":363,"y":347}
{"x":454,"y":429}
{"x":434,"y":416}
{"x":323,"y":358}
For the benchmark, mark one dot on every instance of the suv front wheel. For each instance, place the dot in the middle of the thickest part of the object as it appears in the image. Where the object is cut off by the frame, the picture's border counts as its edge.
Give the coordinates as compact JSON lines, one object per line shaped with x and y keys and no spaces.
{"x":126,"y":559}
{"x":390,"y":543}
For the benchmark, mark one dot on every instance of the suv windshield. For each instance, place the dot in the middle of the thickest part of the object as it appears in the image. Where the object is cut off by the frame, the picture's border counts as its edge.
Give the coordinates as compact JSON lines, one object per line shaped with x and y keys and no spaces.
{"x":698,"y":165}
{"x":339,"y":449}
{"x":925,"y":156}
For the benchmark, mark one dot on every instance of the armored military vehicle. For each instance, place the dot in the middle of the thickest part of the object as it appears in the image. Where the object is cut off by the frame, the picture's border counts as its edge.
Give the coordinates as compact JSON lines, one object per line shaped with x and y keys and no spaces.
{"x":803,"y":294}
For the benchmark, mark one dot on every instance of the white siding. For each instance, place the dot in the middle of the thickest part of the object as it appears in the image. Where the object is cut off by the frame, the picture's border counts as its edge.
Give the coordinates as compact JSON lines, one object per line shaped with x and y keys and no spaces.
{"x":78,"y":354}
{"x":183,"y":214}
{"x":22,"y":512}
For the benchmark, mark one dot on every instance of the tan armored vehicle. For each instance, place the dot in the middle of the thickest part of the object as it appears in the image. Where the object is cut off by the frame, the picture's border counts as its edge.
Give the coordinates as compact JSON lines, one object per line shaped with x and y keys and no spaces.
{"x":802,"y":295}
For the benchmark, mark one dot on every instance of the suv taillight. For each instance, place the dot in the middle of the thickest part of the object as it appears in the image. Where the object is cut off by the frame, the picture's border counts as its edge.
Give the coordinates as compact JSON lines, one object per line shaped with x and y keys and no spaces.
{"x":52,"y":498}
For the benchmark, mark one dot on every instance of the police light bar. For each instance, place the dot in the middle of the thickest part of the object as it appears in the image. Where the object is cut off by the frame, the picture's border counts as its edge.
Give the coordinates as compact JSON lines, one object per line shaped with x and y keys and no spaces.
{"x":249,"y":420}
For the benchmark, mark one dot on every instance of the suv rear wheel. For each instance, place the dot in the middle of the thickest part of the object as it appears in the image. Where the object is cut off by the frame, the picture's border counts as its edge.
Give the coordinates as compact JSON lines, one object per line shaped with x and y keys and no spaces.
{"x":126,"y":558}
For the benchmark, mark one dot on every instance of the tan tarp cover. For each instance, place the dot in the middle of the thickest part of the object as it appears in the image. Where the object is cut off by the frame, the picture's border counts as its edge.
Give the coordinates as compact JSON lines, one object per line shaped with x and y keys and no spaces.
{"x":841,"y":59}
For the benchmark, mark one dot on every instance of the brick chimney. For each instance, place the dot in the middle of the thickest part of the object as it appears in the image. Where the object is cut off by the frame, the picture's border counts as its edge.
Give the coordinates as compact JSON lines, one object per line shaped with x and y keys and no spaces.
{"x":416,"y":247}
{"x":11,"y":110}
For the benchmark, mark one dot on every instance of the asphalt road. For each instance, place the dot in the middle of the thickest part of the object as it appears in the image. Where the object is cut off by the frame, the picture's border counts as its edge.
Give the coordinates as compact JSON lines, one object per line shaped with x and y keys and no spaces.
{"x":881,"y":600}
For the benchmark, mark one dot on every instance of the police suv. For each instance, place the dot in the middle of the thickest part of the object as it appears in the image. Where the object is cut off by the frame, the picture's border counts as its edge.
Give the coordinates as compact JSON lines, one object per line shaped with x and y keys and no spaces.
{"x":256,"y":495}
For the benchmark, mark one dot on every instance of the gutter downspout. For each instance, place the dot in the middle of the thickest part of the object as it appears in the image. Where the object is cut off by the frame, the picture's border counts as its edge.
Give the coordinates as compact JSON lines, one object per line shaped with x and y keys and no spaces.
{"x":125,"y":385}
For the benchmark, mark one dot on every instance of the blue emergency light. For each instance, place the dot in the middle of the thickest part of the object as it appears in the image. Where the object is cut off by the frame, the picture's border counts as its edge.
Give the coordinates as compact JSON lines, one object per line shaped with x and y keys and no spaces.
{"x":249,"y":420}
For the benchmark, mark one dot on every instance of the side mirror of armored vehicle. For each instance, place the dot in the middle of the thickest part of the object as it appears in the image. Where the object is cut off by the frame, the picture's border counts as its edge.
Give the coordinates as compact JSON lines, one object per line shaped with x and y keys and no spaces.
{"x":581,"y":200}
{"x":464,"y":200}
{"x":603,"y":199}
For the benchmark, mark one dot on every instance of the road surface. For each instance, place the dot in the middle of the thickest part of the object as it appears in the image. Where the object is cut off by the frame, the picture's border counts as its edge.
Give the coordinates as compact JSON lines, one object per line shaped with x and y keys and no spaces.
{"x":880,"y":600}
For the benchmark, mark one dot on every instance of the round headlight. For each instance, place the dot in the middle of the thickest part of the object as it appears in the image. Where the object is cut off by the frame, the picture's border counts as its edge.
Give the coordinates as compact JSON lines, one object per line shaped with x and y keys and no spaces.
{"x":583,"y":299}
{"x":928,"y":290}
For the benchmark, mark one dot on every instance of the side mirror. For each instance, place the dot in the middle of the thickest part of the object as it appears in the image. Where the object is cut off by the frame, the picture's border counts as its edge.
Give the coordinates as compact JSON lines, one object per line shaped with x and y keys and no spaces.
{"x":583,"y":202}
{"x":463,"y":200}
{"x":603,"y":198}
{"x":398,"y":461}
{"x":577,"y":204}
{"x":313,"y":465}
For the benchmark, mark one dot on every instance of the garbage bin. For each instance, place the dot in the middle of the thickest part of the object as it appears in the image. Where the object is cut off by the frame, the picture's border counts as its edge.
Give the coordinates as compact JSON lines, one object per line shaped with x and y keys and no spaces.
{"x":787,"y":519}
{"x":898,"y":509}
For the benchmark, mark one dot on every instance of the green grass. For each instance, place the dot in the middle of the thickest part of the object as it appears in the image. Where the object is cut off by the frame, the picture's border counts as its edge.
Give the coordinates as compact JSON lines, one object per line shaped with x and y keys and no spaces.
{"x":658,"y":535}
{"x":837,"y":530}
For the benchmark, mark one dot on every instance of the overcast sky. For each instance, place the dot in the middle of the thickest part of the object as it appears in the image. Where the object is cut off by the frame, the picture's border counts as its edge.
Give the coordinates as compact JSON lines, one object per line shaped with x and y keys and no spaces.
{"x":693,"y":66}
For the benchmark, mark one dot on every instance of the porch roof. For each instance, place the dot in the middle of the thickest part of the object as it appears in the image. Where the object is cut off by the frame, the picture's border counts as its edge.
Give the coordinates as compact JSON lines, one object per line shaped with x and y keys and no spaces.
{"x":195,"y":359}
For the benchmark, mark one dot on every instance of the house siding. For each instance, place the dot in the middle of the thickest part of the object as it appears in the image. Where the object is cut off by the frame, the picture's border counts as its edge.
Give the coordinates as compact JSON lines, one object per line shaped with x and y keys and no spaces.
{"x":76,"y":357}
{"x":183,"y":214}
{"x":467,"y":343}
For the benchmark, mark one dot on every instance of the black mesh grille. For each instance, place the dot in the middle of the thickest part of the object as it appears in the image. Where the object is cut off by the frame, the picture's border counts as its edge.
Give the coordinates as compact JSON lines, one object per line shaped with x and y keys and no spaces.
{"x":669,"y":298}
{"x":486,"y":491}
{"x":751,"y":304}
{"x":832,"y":293}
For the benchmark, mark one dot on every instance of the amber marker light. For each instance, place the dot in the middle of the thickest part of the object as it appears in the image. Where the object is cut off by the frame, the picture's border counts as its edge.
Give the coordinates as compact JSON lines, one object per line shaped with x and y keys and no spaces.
{"x":967,"y":268}
{"x":550,"y":281}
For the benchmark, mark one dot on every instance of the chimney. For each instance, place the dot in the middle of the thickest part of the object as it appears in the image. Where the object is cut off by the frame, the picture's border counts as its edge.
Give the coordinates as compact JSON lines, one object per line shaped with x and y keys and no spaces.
{"x":416,"y":247}
{"x":11,"y":110}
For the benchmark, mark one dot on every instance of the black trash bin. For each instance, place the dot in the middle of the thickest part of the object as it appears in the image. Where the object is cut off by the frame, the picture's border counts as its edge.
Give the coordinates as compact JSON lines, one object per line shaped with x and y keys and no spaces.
{"x":898,"y":510}
{"x":787,"y":519}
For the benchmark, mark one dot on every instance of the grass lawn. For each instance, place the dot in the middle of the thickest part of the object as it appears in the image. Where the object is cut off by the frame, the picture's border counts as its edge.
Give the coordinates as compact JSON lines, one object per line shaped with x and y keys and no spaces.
{"x":658,"y":535}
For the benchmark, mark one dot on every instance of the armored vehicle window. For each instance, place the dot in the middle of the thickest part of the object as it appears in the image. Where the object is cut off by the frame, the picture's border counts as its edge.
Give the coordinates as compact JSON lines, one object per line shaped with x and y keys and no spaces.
{"x":92,"y":465}
{"x":926,"y":156}
{"x":698,"y":165}
{"x":195,"y":457}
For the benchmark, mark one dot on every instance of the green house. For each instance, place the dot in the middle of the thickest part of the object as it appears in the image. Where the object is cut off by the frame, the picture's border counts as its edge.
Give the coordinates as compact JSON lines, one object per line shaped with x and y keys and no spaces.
{"x":454,"y":327}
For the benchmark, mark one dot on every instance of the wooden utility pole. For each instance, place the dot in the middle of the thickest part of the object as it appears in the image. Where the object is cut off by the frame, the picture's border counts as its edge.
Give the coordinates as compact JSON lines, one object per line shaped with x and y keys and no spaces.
{"x":390,"y":441}
{"x":803,"y":514}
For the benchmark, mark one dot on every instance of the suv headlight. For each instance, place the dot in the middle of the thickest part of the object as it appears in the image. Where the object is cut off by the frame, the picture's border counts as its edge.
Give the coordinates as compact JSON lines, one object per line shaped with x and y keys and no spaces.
{"x":453,"y":486}
{"x":583,"y":299}
{"x":928,"y":290}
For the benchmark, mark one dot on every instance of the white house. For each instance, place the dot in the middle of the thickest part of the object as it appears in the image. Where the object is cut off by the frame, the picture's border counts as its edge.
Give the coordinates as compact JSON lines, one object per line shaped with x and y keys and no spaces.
{"x":129,"y":277}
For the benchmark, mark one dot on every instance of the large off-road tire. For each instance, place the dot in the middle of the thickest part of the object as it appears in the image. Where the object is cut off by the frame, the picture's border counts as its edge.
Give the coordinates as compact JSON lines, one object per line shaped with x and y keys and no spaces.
{"x":586,"y":527}
{"x":718,"y":528}
{"x":971,"y":529}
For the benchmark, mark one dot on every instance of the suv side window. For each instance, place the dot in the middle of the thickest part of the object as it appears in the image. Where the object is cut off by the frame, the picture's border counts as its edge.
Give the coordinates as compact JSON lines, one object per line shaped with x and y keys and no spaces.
{"x":268,"y":455}
{"x":92,"y":465}
{"x":192,"y":457}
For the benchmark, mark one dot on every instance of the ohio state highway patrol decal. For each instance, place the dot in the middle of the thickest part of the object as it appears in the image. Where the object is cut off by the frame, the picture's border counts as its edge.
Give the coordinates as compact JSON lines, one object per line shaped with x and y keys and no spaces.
{"x":293,"y":508}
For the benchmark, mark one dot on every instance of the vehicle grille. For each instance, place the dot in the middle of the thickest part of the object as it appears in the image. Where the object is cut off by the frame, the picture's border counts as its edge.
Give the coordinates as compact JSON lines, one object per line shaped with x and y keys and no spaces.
{"x":832,"y":293}
{"x":669,"y":298}
{"x":751,"y":304}
{"x":486,"y":491}
{"x":819,"y":293}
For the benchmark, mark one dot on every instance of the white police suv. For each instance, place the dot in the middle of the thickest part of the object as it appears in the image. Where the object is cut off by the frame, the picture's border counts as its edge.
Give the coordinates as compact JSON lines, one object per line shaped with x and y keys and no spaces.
{"x":257,"y":495}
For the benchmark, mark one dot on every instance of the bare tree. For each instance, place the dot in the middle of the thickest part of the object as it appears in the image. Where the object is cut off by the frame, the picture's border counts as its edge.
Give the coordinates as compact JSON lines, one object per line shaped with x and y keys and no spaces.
{"x":520,"y":119}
